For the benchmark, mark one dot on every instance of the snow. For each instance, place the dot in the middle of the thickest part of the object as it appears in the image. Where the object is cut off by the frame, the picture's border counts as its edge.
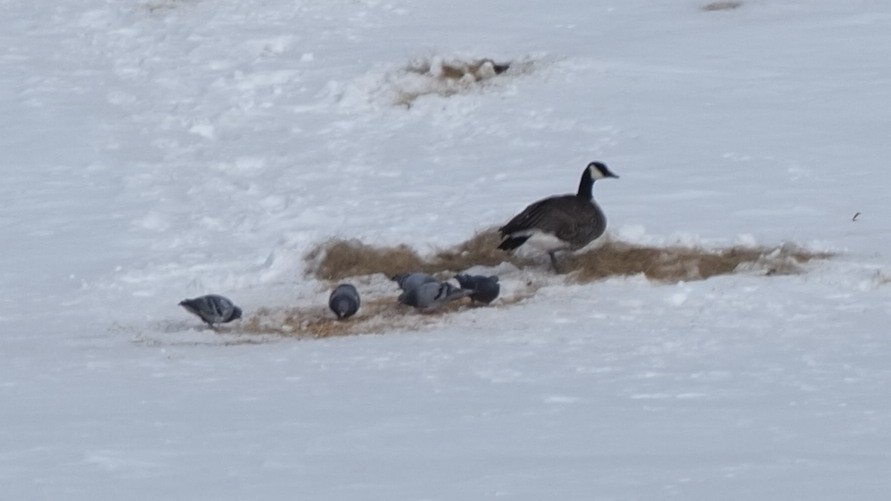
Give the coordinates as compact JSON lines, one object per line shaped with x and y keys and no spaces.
{"x":162,"y":149}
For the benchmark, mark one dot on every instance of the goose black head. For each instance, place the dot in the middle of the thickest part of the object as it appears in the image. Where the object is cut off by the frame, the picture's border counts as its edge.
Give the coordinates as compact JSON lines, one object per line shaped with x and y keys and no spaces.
{"x":593,"y":172}
{"x":599,"y":170}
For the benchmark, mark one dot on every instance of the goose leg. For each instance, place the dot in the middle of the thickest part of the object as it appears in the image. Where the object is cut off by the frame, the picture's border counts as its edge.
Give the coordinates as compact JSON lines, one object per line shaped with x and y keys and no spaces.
{"x":554,"y":263}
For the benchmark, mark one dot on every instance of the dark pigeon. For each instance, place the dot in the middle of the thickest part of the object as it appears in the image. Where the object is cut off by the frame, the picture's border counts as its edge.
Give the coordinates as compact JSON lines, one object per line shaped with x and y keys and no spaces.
{"x":344,"y":301}
{"x":212,"y":309}
{"x":409,"y":281}
{"x":483,"y":289}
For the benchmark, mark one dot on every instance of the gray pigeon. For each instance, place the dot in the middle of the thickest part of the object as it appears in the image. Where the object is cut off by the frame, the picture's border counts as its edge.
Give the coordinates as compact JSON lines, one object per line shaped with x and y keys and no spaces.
{"x":344,"y":301}
{"x":213,"y":309}
{"x":408,"y":281}
{"x":430,"y":295}
{"x":483,"y":289}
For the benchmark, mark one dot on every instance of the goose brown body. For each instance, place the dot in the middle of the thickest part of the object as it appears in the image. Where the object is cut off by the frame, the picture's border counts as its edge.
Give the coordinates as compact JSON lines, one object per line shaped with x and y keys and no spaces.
{"x":560,"y":222}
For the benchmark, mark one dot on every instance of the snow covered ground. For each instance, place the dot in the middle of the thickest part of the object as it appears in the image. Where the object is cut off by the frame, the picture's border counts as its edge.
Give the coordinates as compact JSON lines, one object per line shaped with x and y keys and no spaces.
{"x":162,"y":149}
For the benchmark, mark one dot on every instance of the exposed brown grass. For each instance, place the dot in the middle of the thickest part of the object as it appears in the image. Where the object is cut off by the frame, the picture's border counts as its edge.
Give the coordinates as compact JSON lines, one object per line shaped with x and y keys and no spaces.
{"x":156,"y":6}
{"x":377,"y":316}
{"x":723,"y":5}
{"x":673,"y":264}
{"x":446,"y":77}
{"x":479,"y":250}
{"x":456,"y":69}
{"x":339,"y":259}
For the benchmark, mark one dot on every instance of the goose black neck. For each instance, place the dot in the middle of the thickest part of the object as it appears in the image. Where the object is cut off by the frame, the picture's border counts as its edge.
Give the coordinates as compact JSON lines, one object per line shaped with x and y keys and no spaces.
{"x":586,"y":186}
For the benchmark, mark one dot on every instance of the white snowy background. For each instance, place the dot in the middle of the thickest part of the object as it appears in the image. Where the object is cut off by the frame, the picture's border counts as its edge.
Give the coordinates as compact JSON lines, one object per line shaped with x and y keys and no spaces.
{"x":160,"y":149}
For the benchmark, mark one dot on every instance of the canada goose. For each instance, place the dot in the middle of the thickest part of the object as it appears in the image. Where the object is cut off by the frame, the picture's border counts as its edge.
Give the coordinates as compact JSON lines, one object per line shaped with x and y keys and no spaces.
{"x":484,"y":289}
{"x":560,"y":222}
{"x":344,"y":301}
{"x":212,"y":309}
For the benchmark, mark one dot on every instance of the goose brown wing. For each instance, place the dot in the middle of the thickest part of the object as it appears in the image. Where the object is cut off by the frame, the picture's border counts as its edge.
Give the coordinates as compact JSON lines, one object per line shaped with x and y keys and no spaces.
{"x":530,"y":217}
{"x":557,"y":215}
{"x":583,"y":222}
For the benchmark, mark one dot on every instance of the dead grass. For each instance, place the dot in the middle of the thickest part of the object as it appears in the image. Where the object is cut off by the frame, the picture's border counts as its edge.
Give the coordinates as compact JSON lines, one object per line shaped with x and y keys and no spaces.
{"x":156,"y":6}
{"x":479,"y":250}
{"x":446,"y":77}
{"x":376,"y":316}
{"x":457,"y":69}
{"x":339,"y":259}
{"x":674,"y":264}
{"x":723,"y":5}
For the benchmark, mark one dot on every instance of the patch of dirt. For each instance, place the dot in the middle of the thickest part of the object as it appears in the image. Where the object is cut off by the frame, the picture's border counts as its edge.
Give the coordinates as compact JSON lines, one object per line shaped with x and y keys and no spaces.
{"x":723,"y":5}
{"x":447,"y":77}
{"x":674,"y":264}
{"x":881,"y":278}
{"x":336,"y":260}
{"x":380,"y":313}
{"x":159,"y":6}
{"x":479,"y":250}
{"x":339,"y":259}
{"x":376,"y":316}
{"x":456,"y":69}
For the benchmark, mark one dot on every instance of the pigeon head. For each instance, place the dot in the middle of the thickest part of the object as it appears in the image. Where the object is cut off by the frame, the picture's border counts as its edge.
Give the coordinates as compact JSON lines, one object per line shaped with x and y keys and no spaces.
{"x":344,"y":301}
{"x":482,"y":289}
{"x":236,"y":313}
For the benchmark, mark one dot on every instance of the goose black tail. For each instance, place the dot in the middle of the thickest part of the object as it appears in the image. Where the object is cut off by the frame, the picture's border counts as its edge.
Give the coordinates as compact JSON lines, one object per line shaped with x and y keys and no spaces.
{"x":511,"y":243}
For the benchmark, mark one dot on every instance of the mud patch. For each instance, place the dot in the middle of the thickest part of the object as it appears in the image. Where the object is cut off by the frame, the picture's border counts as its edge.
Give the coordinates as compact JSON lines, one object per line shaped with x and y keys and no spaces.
{"x":725,"y":5}
{"x":339,"y":259}
{"x":675,"y":264}
{"x":354,"y":260}
{"x":161,"y":6}
{"x":376,"y":316}
{"x":445,"y":77}
{"x":368,"y":267}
